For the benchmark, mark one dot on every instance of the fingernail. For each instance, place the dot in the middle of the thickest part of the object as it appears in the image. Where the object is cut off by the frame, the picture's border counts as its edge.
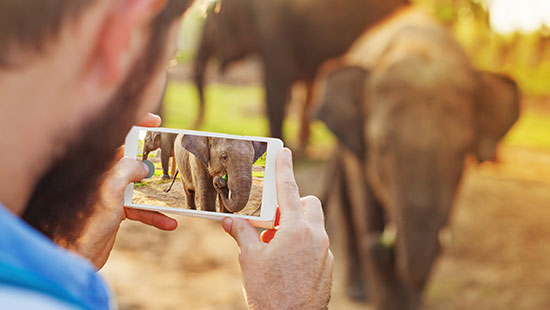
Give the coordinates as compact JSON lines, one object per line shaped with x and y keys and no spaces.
{"x":149,"y":167}
{"x":144,"y":165}
{"x":287,"y":152}
{"x":226,"y":224}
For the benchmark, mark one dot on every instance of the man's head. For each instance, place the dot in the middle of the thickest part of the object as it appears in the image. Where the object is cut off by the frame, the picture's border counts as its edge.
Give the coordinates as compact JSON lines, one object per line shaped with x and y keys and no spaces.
{"x":74,"y":76}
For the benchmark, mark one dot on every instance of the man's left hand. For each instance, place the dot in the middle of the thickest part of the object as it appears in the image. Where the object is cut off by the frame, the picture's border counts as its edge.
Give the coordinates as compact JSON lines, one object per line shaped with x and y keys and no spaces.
{"x":99,"y":235}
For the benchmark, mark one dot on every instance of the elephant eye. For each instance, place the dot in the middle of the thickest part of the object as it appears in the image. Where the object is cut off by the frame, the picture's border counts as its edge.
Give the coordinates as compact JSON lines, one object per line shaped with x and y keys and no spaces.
{"x":224,"y":156}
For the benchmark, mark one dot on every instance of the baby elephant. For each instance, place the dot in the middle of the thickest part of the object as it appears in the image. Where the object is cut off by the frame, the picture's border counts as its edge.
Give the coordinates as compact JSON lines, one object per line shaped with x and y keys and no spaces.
{"x":165,"y":141}
{"x":204,"y":161}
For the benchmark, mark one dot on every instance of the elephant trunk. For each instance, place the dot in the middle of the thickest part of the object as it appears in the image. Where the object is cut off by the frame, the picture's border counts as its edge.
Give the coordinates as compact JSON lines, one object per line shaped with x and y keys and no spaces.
{"x":235,"y":196}
{"x":423,"y":210}
{"x":145,"y":155}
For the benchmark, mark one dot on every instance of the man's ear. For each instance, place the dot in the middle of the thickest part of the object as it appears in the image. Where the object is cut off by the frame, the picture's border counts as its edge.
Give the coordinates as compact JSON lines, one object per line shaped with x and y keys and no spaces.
{"x":198,"y":146}
{"x":497,"y":107}
{"x":341,"y":107}
{"x":124,"y":35}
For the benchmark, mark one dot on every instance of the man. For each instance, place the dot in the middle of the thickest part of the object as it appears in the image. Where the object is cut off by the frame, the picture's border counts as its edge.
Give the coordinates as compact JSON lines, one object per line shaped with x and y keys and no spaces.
{"x":75,"y":75}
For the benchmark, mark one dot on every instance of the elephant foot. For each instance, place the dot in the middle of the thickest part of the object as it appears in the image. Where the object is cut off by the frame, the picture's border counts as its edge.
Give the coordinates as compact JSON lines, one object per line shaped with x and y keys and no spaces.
{"x":356,"y":289}
{"x":356,"y":284}
{"x":382,"y":251}
{"x":166,"y":177}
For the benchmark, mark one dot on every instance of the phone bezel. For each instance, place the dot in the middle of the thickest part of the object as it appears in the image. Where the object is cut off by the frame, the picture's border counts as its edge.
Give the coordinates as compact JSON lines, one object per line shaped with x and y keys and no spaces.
{"x":269,"y":193}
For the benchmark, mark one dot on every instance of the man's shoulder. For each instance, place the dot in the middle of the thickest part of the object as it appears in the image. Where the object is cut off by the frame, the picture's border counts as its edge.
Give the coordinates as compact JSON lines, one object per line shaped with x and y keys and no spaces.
{"x":19,"y":298}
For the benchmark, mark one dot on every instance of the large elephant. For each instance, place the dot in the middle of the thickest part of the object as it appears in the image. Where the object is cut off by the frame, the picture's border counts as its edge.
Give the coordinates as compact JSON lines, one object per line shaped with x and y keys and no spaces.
{"x":405,"y":126}
{"x":292,"y":37}
{"x":216,"y":167}
{"x":165,"y":141}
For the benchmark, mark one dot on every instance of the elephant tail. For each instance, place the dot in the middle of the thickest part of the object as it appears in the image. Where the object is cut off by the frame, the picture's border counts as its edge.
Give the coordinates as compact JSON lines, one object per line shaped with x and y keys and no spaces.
{"x":173,"y":180}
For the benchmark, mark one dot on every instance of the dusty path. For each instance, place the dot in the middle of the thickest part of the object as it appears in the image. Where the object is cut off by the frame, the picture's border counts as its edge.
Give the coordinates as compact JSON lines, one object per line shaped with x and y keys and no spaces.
{"x":497,"y":256}
{"x":151,"y":192}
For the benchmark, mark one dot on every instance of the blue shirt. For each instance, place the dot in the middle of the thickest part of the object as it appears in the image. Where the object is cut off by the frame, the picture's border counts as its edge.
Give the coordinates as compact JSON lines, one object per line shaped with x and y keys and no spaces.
{"x":35,"y":273}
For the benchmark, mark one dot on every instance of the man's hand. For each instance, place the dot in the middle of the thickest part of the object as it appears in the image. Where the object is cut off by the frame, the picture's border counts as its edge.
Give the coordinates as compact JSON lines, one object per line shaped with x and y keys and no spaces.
{"x":99,"y":236}
{"x":293,"y":270}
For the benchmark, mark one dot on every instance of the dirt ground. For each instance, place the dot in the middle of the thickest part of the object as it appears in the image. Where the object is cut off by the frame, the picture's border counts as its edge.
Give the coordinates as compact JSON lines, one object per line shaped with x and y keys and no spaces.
{"x":496,"y":253}
{"x":151,"y":192}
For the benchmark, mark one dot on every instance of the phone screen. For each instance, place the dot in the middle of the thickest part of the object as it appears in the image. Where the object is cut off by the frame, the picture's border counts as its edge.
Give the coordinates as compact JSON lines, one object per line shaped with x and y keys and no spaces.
{"x":200,"y":172}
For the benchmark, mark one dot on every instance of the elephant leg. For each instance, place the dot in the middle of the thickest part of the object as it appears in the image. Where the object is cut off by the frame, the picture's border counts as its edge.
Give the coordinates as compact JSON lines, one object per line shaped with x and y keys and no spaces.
{"x":190,"y":199}
{"x":388,"y":290}
{"x":356,"y":284}
{"x":165,"y":159}
{"x":206,"y":194}
{"x":376,"y":259}
{"x":333,"y":179}
{"x":277,"y":92}
{"x":305,"y":128}
{"x":189,"y":194}
{"x":220,"y":206}
{"x":416,"y":252}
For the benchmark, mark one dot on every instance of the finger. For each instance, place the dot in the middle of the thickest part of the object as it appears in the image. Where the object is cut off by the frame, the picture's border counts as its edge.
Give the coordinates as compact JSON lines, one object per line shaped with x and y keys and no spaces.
{"x":151,"y":218}
{"x":268,"y":235}
{"x":128,"y":170}
{"x":243,"y":232}
{"x":313,"y":211}
{"x":150,"y":120}
{"x":119,"y":153}
{"x":288,"y":195}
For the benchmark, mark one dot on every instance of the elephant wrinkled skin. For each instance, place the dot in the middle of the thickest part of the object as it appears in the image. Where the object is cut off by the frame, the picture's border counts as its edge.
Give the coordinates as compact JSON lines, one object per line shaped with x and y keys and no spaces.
{"x":405,"y":126}
{"x":204,"y":161}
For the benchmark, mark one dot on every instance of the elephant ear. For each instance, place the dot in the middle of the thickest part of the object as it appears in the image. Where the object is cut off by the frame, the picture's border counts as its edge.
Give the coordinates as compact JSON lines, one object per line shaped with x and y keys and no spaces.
{"x":155,"y":137}
{"x":342,"y":97}
{"x":198,"y":146}
{"x":497,"y":108}
{"x":259,"y":149}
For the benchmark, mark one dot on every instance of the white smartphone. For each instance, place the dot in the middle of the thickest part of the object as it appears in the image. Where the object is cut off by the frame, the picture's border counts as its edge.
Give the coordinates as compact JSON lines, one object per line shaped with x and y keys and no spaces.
{"x":205,"y":174}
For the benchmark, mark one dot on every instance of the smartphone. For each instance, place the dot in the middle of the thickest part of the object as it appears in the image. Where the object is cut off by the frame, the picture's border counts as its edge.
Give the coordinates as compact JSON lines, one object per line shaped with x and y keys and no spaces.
{"x":205,"y":174}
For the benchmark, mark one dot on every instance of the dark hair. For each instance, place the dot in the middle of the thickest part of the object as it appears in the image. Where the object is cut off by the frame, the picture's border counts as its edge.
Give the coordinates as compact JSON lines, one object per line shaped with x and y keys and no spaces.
{"x":28,"y":27}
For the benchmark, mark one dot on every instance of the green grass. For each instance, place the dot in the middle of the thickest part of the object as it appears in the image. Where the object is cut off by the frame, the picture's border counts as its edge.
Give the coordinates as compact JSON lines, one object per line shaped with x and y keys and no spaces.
{"x":231,"y":109}
{"x":261,"y":160}
{"x":240,"y":110}
{"x":258,"y":174}
{"x":532,"y":130}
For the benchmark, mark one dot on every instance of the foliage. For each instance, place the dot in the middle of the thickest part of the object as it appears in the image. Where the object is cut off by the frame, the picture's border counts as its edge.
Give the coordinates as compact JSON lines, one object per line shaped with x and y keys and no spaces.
{"x":532,"y":130}
{"x":520,"y":55}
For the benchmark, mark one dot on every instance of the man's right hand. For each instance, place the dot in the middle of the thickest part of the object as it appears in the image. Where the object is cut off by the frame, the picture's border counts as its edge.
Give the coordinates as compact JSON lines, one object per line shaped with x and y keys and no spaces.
{"x":293,"y":270}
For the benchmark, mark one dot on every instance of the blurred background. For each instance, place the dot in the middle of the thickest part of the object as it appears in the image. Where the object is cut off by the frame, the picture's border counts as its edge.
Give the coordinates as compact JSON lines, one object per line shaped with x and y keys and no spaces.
{"x":496,"y":249}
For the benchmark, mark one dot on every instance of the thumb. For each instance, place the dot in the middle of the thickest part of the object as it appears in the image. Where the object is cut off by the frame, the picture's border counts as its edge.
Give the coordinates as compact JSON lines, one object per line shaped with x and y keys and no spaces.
{"x":288,"y":195}
{"x":127,"y":170}
{"x":243,"y":232}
